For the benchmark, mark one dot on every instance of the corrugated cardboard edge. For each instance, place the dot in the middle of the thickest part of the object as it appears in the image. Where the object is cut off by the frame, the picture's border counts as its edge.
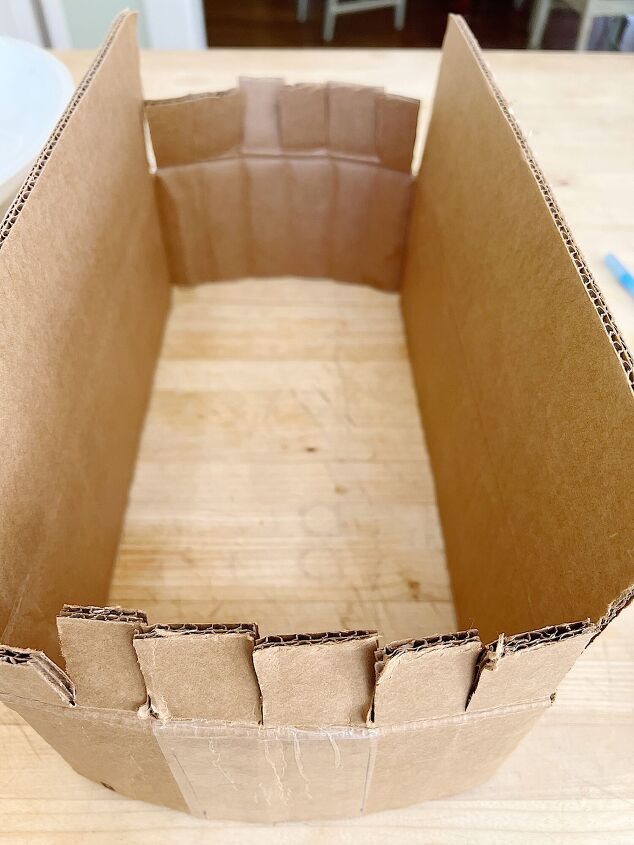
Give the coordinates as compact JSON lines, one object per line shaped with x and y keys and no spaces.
{"x":15,"y":208}
{"x":39,"y":679}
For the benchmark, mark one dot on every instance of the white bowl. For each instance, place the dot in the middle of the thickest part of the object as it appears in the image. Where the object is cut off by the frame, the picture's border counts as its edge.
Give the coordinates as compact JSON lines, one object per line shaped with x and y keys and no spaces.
{"x":35,"y":90}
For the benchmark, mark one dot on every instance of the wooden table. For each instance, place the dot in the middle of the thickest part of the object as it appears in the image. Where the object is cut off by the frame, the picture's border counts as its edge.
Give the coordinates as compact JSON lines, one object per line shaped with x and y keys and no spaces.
{"x":572,"y":778}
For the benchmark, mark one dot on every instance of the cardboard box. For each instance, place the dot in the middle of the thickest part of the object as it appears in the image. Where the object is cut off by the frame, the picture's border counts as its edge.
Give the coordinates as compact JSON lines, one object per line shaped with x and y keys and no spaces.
{"x":525,"y":389}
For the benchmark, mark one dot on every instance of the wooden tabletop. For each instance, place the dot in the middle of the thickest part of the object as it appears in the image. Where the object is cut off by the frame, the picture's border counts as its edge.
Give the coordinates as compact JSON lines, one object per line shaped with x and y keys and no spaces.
{"x":572,"y":778}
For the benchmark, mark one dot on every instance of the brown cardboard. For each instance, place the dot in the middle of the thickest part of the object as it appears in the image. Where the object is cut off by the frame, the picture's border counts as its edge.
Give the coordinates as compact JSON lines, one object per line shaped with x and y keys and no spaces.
{"x":529,"y":432}
{"x":503,"y":320}
{"x":316,"y":679}
{"x":196,"y":128}
{"x":426,"y":679}
{"x":96,"y":643}
{"x":200,"y":671}
{"x":527,"y":667}
{"x":308,"y":180}
{"x":83,"y":299}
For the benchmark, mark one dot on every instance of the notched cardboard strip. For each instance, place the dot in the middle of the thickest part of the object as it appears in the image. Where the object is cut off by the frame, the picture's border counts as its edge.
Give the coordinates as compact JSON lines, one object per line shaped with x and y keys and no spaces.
{"x":527,"y":667}
{"x":200,"y":671}
{"x":316,"y":679}
{"x":425,"y":679}
{"x":31,"y":675}
{"x":96,"y":643}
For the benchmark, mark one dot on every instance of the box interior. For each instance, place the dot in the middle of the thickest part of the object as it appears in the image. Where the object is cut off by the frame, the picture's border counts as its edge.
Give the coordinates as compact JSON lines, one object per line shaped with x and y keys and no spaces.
{"x":523,"y":381}
{"x":282,"y":475}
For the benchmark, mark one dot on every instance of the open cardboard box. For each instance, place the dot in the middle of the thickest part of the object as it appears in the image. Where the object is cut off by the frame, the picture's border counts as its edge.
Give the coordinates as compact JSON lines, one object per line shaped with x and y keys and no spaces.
{"x":523,"y":381}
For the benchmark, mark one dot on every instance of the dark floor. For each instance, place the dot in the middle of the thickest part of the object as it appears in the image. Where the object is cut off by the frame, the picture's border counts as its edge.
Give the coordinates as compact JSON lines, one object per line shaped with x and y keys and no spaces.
{"x":272,"y":23}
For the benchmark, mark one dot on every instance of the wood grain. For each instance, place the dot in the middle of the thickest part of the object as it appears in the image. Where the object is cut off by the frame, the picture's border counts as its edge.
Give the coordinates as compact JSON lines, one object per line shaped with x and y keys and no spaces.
{"x":283,"y":478}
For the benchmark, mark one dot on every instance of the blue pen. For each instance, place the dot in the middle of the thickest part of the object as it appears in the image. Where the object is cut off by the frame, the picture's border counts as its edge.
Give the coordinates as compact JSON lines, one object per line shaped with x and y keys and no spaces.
{"x":620,"y":272}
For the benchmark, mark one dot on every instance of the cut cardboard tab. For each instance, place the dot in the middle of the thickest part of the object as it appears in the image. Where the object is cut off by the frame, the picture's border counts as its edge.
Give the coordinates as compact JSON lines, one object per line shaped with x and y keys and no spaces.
{"x":425,"y":679}
{"x":200,"y":671}
{"x":197,"y":127}
{"x":352,"y":119}
{"x":261,"y":124}
{"x":396,"y":123}
{"x":32,"y":676}
{"x":97,"y":646}
{"x":316,"y":679}
{"x":303,"y":113}
{"x":527,"y":667}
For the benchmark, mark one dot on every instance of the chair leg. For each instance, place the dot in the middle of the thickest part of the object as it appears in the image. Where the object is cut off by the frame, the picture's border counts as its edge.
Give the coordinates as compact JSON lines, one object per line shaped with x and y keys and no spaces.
{"x":399,"y":14}
{"x":330,"y":18}
{"x":302,"y":11}
{"x":585,"y":27}
{"x":539,"y":18}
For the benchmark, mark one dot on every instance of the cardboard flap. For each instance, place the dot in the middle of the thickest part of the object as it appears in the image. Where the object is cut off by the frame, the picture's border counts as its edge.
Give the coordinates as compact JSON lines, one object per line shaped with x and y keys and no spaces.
{"x":316,"y":679}
{"x":527,"y":667}
{"x":97,"y":646}
{"x":200,"y":671}
{"x":425,"y":679}
{"x":83,"y":300}
{"x":32,"y":676}
{"x":524,"y":383}
{"x":197,"y":127}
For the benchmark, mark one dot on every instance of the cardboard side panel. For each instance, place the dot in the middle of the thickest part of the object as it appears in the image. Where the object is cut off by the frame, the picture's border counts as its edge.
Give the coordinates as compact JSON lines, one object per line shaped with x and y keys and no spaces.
{"x":522,"y":378}
{"x":78,"y":348}
{"x":196,"y":128}
{"x":528,"y":666}
{"x":316,"y":679}
{"x":200,"y":672}
{"x":444,"y":756}
{"x":425,"y":679}
{"x":266,"y":775}
{"x":116,"y":749}
{"x":100,"y":658}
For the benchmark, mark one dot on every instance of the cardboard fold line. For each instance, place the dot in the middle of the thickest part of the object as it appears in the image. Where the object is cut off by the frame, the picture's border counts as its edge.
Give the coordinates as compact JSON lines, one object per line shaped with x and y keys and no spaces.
{"x":527,"y":667}
{"x":425,"y":679}
{"x":200,"y":671}
{"x":316,"y":679}
{"x":96,"y":644}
